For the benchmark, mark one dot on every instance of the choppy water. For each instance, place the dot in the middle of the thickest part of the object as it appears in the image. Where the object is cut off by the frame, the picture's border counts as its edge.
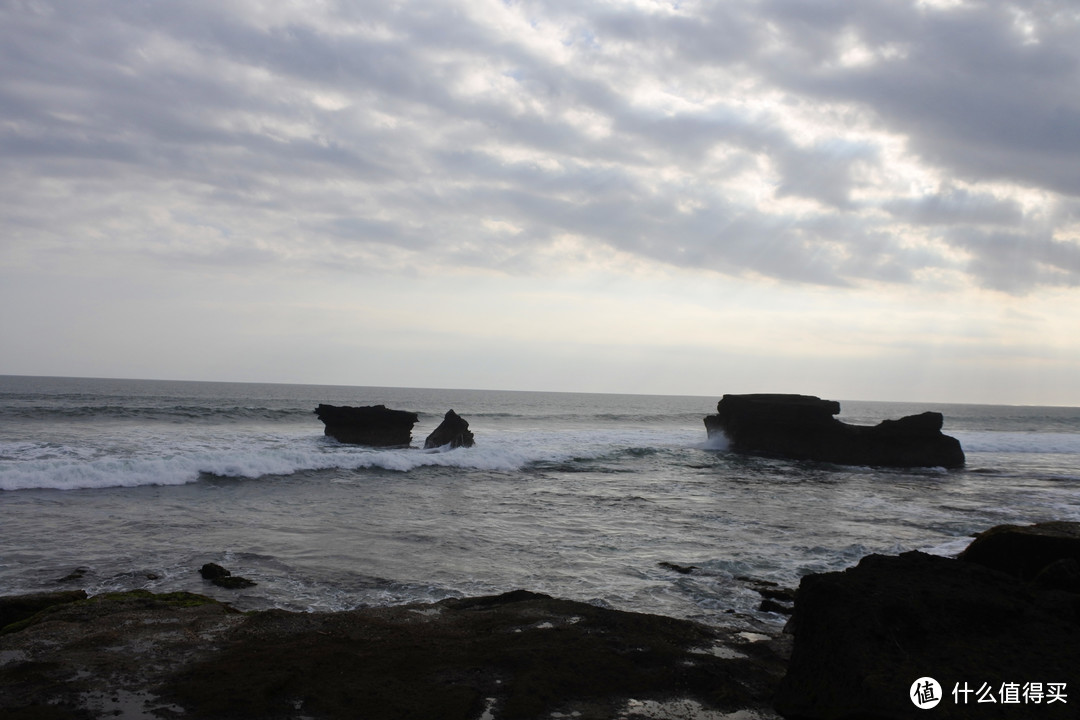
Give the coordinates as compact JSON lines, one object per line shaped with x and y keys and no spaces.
{"x":138,"y":483}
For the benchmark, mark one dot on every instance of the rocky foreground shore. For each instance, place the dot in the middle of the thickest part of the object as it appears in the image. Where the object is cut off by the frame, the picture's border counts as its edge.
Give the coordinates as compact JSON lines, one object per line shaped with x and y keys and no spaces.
{"x":997,"y":630}
{"x":517,"y":655}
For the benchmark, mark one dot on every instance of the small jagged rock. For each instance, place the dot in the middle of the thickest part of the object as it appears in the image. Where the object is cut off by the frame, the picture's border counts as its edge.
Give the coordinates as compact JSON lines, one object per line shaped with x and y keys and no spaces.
{"x":452,"y":431}
{"x":213,"y":571}
{"x":682,"y":569}
{"x":224,"y":578}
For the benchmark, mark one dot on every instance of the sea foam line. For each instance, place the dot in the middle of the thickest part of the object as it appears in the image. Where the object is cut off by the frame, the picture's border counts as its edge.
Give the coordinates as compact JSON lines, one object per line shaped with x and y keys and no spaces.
{"x":48,"y":466}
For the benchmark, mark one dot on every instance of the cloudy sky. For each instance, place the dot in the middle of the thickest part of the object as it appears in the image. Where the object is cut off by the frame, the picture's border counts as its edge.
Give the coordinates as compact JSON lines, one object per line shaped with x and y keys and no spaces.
{"x":864,"y":199}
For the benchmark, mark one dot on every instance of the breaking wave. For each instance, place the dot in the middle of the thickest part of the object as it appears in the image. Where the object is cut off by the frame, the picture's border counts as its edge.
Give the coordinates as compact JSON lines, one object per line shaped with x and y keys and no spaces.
{"x":163,"y":460}
{"x":27,"y":465}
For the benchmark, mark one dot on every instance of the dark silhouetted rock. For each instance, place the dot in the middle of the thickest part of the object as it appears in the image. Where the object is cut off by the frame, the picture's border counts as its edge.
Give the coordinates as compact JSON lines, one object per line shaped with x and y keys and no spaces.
{"x":1025,"y":550}
{"x":802,"y":427}
{"x":213,"y":571}
{"x":224,"y":578}
{"x":452,"y":431}
{"x":681,"y":569}
{"x":373,"y":425}
{"x":774,"y":599}
{"x":862,"y":637}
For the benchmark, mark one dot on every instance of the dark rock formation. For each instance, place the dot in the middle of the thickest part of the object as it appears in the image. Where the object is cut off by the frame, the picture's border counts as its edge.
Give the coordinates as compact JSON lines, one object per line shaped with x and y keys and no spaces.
{"x":1027,"y":551}
{"x":213,"y":571}
{"x":514,"y":656}
{"x":865,"y":635}
{"x":802,"y":427}
{"x":224,"y":578}
{"x":681,"y":569}
{"x":18,"y":608}
{"x":373,"y":425}
{"x":452,"y":431}
{"x":774,"y":599}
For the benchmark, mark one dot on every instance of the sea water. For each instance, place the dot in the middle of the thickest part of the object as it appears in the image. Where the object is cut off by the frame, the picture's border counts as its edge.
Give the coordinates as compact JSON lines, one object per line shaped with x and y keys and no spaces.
{"x":120,"y":484}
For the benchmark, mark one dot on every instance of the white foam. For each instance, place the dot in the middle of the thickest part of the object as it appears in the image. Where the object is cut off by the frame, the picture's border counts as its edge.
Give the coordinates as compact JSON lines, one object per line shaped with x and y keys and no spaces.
{"x":718,"y":441}
{"x":167,"y":460}
{"x":950,"y":548}
{"x":69,"y":474}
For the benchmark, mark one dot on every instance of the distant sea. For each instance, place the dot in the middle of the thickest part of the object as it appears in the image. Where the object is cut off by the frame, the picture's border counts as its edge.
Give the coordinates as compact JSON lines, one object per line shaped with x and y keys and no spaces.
{"x":120,"y":484}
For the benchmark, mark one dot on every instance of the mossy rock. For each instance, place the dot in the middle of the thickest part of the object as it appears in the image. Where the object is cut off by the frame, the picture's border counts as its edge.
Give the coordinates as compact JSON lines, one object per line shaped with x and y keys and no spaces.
{"x":27,"y":610}
{"x":17,"y":610}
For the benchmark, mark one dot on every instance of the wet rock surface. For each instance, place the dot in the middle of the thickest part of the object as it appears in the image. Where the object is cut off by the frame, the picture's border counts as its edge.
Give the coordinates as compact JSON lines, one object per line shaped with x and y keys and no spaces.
{"x":518,"y":655}
{"x":863,"y":636}
{"x":19,"y":608}
{"x":107,"y":655}
{"x":802,"y":427}
{"x":224,"y":578}
{"x":1028,"y":551}
{"x":855,"y":644}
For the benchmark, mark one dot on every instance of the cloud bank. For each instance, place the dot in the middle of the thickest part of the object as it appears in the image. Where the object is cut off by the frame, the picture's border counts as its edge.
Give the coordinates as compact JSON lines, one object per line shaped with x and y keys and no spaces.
{"x":903,"y":144}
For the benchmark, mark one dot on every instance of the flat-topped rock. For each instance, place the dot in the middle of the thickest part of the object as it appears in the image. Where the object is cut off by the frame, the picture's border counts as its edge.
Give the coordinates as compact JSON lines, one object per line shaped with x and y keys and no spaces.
{"x":373,"y":425}
{"x":802,"y":427}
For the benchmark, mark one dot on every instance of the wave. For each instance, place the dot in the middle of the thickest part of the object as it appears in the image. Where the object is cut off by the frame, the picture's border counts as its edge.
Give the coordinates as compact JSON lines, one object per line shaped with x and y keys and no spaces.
{"x":162,"y":457}
{"x":71,"y":474}
{"x":38,"y":465}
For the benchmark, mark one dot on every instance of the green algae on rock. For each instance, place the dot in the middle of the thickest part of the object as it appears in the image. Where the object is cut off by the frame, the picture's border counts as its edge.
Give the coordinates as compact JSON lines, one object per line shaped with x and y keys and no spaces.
{"x":517,"y":655}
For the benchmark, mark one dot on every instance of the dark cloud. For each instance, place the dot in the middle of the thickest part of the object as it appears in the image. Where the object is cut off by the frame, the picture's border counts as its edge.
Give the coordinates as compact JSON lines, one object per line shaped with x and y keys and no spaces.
{"x":413,"y":125}
{"x":972,"y":91}
{"x":823,"y":173}
{"x":957,"y":206}
{"x":1016,"y":263}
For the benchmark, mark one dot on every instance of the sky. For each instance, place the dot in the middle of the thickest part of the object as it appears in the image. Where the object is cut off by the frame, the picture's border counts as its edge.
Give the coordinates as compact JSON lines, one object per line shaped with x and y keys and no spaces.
{"x":864,"y":199}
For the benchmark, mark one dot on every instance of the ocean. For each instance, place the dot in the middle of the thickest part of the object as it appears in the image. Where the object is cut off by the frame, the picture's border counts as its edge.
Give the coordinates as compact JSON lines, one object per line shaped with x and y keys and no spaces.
{"x":120,"y":484}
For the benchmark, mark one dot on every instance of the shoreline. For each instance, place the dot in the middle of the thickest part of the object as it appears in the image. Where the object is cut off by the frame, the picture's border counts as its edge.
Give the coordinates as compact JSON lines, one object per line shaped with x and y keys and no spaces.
{"x":515,"y":655}
{"x":1005,"y":613}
